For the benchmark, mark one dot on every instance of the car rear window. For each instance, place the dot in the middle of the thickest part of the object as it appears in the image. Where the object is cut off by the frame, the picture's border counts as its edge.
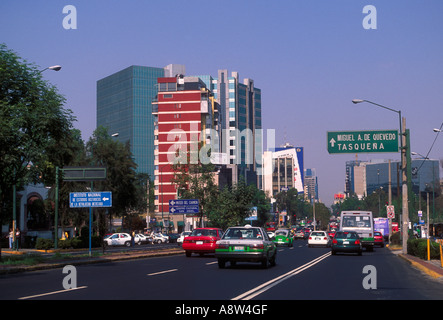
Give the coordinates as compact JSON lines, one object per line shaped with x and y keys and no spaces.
{"x":243,"y":233}
{"x":346,"y":235}
{"x":318,"y":234}
{"x":204,"y":232}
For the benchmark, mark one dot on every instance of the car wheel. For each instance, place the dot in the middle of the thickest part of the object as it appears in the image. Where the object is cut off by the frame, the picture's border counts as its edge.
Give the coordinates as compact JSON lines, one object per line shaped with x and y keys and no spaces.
{"x":221,"y":263}
{"x":127,"y":243}
{"x":333,"y":252}
{"x":359,"y":253}
{"x":265,"y":263}
{"x":188,"y":253}
{"x":273,"y":259}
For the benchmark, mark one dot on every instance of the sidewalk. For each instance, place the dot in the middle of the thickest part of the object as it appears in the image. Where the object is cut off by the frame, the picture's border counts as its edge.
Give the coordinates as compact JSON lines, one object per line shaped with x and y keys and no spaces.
{"x":55,"y":262}
{"x":432,"y":268}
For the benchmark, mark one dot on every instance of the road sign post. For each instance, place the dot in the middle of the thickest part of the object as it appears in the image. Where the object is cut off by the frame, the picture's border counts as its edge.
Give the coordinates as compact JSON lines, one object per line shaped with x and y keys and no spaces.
{"x":90,"y":199}
{"x":362,"y":141}
{"x":184,"y":206}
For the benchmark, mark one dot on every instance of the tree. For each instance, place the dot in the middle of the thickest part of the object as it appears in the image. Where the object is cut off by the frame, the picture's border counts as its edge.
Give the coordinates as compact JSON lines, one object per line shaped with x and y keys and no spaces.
{"x":121,"y":175}
{"x":290,"y":202}
{"x":32,"y":122}
{"x":232,"y":206}
{"x":196,"y":181}
{"x":263,"y":204}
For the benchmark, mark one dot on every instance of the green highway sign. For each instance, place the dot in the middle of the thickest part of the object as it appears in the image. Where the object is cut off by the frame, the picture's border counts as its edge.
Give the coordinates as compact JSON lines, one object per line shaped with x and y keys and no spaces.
{"x":362,"y":141}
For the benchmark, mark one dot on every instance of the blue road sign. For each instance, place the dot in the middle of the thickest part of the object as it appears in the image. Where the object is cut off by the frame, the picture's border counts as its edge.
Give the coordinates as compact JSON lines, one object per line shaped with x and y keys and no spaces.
{"x":90,"y":199}
{"x":184,"y":206}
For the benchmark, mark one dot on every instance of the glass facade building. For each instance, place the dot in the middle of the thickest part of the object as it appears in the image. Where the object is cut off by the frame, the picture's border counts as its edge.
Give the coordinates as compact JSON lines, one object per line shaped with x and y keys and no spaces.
{"x":240,"y":108}
{"x":364,"y":178}
{"x":124,"y":107}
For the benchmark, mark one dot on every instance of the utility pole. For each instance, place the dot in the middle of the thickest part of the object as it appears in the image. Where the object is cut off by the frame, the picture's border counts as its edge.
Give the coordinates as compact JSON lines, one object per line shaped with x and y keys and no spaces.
{"x":405,"y":208}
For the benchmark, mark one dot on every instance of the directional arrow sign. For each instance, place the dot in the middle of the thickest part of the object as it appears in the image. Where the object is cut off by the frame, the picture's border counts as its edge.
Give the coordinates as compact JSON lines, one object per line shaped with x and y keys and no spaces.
{"x":362,"y":141}
{"x":90,"y":199}
{"x":183,"y":206}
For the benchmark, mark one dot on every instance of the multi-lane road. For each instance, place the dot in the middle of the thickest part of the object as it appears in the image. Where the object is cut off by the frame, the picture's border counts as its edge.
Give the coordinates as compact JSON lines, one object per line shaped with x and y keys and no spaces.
{"x":301,"y":273}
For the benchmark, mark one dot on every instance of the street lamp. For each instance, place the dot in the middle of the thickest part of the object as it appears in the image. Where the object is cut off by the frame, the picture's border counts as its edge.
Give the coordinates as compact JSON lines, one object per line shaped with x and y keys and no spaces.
{"x":404,"y":146}
{"x":55,"y":68}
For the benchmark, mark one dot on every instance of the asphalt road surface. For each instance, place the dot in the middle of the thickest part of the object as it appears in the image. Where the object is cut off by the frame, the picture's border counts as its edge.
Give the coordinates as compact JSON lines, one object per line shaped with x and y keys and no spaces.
{"x":301,"y":273}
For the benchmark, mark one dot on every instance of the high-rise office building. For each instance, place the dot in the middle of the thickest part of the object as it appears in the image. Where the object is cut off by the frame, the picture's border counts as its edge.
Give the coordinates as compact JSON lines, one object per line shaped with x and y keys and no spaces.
{"x":364,"y":178}
{"x":184,"y":113}
{"x":240,"y":117}
{"x":282,"y":170}
{"x":124,"y":106}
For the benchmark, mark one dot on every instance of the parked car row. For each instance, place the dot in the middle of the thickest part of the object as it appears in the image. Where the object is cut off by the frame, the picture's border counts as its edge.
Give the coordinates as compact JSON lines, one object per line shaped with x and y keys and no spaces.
{"x":125,"y":239}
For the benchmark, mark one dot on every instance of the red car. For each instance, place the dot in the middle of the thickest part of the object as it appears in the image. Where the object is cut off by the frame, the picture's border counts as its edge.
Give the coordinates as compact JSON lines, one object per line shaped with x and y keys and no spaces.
{"x":378,"y":239}
{"x":201,"y":241}
{"x":331,"y":233}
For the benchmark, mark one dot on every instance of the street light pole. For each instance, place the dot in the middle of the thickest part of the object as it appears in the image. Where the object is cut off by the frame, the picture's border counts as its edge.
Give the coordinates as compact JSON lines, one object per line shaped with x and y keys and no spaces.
{"x":404,"y":147}
{"x":55,"y":68}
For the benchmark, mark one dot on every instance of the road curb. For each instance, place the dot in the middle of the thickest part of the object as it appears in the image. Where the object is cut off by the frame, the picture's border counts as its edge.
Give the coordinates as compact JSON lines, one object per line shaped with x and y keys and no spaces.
{"x":11,"y":269}
{"x":422,"y":265}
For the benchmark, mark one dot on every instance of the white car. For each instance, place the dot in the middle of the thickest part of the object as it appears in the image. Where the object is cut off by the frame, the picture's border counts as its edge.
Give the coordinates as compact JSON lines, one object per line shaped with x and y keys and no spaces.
{"x":159,"y":238}
{"x":140,"y":239}
{"x":118,"y":239}
{"x":183,"y":235}
{"x":319,"y":238}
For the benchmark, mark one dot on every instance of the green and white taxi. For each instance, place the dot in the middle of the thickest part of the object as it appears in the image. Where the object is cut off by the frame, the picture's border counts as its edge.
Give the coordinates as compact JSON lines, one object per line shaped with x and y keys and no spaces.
{"x":283,"y":237}
{"x":245,"y":244}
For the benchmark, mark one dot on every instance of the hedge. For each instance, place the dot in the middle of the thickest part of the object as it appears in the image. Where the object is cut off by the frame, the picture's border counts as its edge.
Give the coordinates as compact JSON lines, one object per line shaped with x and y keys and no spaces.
{"x":419,"y":248}
{"x":75,"y":243}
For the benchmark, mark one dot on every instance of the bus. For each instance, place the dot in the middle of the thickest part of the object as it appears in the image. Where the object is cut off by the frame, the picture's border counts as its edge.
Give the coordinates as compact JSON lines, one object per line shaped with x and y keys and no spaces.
{"x":360,"y":222}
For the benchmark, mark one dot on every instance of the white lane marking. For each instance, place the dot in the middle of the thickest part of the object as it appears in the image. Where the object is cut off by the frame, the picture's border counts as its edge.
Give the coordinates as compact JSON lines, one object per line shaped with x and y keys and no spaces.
{"x":271,"y":283}
{"x":209,"y":263}
{"x":161,"y":272}
{"x":49,"y":293}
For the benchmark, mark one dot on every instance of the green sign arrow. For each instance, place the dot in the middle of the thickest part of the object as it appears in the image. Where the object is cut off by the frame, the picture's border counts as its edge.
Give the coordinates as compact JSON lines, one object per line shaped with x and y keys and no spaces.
{"x":362,"y":141}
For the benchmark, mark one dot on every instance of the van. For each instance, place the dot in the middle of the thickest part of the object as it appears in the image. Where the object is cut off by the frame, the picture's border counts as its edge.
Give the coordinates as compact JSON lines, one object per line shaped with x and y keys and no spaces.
{"x":360,"y":222}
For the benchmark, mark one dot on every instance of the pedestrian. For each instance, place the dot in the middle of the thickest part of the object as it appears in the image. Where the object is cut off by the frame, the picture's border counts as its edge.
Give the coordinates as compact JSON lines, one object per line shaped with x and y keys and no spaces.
{"x":17,"y":238}
{"x":11,"y":238}
{"x":132,"y":238}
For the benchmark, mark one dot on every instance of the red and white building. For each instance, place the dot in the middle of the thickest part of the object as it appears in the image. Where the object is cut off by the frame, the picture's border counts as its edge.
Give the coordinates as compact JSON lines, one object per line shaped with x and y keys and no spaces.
{"x":184,"y":112}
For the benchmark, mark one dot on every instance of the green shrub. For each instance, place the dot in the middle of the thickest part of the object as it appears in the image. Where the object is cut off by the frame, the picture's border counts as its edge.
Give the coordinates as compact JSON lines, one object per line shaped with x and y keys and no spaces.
{"x":76,"y":243}
{"x":64,"y":244}
{"x":419,"y":248}
{"x":44,"y":244}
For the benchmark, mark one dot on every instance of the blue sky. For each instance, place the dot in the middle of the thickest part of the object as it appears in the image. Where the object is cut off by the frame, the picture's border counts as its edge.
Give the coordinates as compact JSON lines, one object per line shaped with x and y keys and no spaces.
{"x":309,"y":58}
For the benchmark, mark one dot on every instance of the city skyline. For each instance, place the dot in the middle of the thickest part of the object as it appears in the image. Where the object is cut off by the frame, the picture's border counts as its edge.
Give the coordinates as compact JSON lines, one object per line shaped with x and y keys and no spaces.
{"x":310,"y":60}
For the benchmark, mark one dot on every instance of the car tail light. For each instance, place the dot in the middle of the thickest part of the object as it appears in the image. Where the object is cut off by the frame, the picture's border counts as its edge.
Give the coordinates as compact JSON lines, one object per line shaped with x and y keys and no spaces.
{"x":257,"y":246}
{"x":334,"y":241}
{"x":221,"y":246}
{"x":357,"y":241}
{"x":310,"y":238}
{"x":325,"y":238}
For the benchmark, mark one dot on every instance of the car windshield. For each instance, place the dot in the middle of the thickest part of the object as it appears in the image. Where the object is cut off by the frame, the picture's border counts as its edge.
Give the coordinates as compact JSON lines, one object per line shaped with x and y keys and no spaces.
{"x":204,"y":232}
{"x":243,"y":233}
{"x":356,"y":221}
{"x":346,"y":235}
